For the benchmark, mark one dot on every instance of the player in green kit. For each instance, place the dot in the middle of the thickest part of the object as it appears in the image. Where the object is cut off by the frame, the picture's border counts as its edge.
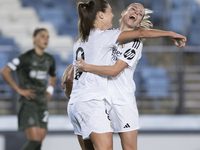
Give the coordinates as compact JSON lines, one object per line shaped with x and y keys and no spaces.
{"x":32,"y":69}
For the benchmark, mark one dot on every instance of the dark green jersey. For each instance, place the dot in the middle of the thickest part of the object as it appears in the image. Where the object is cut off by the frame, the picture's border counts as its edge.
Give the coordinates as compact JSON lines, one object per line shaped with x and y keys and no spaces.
{"x":32,"y":71}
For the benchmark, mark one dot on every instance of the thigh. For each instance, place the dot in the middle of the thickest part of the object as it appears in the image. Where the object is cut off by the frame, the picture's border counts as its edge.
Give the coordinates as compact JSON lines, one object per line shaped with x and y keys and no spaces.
{"x":43,"y":133}
{"x":85,"y":144}
{"x":35,"y":133}
{"x":124,"y":118}
{"x":129,"y":140}
{"x":28,"y":115}
{"x":88,"y":117}
{"x":75,"y":123}
{"x":102,"y":141}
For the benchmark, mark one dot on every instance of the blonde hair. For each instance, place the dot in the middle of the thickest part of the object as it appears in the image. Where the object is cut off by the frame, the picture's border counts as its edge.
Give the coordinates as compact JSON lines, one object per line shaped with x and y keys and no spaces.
{"x":145,"y":23}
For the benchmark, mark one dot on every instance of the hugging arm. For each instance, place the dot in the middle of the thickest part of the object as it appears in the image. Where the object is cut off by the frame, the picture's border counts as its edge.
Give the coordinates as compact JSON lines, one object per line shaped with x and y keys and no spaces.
{"x":113,"y":70}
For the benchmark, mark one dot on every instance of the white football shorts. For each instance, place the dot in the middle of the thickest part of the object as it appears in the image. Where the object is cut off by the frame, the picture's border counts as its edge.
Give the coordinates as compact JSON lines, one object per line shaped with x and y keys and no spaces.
{"x":90,"y":116}
{"x":124,"y":118}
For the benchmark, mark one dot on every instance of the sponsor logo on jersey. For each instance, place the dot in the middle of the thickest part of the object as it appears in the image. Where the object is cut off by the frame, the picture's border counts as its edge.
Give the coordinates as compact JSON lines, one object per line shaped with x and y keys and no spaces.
{"x":38,"y":74}
{"x":115,"y":53}
{"x":127,"y":126}
{"x":130,"y":53}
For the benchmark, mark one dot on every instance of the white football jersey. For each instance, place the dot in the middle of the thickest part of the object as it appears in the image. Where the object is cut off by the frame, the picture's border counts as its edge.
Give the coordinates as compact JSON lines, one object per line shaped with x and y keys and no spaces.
{"x":122,"y":87}
{"x":97,"y":51}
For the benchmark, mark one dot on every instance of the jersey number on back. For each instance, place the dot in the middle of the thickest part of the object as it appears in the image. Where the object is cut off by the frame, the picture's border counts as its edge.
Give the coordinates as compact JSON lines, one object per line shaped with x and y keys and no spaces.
{"x":79,"y":53}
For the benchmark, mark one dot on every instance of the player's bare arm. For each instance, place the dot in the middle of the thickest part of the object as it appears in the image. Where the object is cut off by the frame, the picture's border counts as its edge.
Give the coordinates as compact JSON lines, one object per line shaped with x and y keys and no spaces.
{"x":49,"y":91}
{"x":27,"y":93}
{"x":152,"y":33}
{"x":67,"y":80}
{"x":113,"y":70}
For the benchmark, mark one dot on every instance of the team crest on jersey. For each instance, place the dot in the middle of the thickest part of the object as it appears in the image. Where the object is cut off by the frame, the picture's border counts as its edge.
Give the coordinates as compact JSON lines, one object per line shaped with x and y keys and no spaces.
{"x":115,"y":53}
{"x":122,"y":45}
{"x":34,"y":63}
{"x":47,"y":64}
{"x":31,"y":121}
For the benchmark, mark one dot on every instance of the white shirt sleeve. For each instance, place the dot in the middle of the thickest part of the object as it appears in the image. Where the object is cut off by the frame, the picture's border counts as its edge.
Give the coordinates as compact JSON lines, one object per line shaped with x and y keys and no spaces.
{"x":131,"y":52}
{"x":112,"y":35}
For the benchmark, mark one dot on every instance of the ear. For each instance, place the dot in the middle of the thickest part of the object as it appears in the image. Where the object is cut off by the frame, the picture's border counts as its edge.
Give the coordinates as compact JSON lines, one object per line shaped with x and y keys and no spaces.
{"x":101,"y":14}
{"x":34,"y":39}
{"x":123,"y":12}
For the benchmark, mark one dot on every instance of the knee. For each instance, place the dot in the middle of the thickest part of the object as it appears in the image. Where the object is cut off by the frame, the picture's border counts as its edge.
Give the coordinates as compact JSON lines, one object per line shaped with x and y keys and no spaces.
{"x":36,"y":137}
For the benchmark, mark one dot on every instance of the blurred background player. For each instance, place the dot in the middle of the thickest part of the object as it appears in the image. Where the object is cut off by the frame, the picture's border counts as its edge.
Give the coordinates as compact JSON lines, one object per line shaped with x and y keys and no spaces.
{"x":32,"y":69}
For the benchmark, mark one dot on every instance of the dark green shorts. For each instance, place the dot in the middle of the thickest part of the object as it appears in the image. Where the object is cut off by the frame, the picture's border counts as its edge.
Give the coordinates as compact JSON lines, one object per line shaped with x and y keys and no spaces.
{"x":32,"y":114}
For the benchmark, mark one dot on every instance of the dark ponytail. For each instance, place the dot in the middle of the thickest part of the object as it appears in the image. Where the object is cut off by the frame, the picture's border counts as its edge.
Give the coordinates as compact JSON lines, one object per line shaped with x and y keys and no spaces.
{"x":87,"y":15}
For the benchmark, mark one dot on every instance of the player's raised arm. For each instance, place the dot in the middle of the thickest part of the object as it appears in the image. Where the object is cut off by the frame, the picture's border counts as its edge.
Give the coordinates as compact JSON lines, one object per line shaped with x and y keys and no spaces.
{"x":152,"y":33}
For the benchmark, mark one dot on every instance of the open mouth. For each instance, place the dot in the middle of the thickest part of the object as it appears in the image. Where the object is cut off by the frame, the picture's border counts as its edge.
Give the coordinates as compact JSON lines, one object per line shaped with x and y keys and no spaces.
{"x":132,"y":17}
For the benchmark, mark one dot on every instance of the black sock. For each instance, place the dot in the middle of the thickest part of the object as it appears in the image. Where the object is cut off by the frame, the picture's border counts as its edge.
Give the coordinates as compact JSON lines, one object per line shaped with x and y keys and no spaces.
{"x":32,"y":145}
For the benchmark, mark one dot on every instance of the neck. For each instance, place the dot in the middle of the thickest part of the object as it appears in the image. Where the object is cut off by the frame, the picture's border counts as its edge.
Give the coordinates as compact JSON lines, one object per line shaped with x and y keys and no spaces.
{"x":99,"y":27}
{"x":98,"y":24}
{"x":124,"y":27}
{"x":39,"y":51}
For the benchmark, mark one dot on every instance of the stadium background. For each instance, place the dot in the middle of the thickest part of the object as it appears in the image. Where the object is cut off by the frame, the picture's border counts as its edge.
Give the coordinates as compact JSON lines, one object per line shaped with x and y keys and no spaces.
{"x":167,"y":78}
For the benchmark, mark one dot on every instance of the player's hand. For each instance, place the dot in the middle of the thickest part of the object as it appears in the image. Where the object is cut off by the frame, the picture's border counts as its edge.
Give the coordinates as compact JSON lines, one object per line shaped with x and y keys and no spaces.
{"x":80,"y":64}
{"x":28,"y":94}
{"x":48,"y":96}
{"x":179,"y":40}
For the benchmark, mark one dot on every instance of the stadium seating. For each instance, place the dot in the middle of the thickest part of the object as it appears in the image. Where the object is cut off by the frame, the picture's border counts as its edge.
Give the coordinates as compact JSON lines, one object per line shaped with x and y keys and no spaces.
{"x":59,"y":94}
{"x":7,"y":41}
{"x":158,"y":13}
{"x":155,"y":85}
{"x":60,"y":13}
{"x":143,"y":63}
{"x":155,"y":82}
{"x":194,"y":37}
{"x":5,"y":56}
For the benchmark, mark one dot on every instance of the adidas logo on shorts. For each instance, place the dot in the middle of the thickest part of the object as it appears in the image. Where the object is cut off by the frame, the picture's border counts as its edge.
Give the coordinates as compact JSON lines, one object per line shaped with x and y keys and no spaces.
{"x":127,"y":126}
